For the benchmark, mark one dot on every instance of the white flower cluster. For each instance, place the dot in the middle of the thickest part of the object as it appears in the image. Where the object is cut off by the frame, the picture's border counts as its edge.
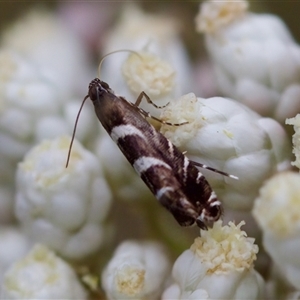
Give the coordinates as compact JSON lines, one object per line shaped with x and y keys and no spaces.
{"x":62,"y":207}
{"x":164,"y":68}
{"x":14,"y":245}
{"x":36,"y":97}
{"x":256,"y":60}
{"x":216,"y":14}
{"x":277,"y":211}
{"x":219,"y":265}
{"x":41,"y":275}
{"x":28,"y":99}
{"x":63,"y":211}
{"x":42,"y":37}
{"x":226,"y":135}
{"x":137,"y":270}
{"x":146,"y":72}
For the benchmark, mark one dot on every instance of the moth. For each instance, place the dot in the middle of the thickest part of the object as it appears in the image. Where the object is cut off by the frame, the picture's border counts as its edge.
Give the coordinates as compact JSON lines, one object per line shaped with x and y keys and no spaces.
{"x":175,"y":180}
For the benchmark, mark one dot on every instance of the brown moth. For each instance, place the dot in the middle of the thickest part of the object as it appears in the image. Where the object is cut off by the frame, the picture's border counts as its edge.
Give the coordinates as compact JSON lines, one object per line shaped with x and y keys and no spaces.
{"x":174,"y":180}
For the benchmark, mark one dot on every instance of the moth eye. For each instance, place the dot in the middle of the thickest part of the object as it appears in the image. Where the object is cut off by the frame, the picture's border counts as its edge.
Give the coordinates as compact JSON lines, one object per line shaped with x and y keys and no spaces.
{"x":104,"y":85}
{"x":97,"y":88}
{"x":95,"y":92}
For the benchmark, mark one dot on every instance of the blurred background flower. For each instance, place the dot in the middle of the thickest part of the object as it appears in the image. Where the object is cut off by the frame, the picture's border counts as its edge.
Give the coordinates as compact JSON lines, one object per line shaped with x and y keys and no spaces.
{"x":255,"y":57}
{"x":39,"y":275}
{"x":137,"y":270}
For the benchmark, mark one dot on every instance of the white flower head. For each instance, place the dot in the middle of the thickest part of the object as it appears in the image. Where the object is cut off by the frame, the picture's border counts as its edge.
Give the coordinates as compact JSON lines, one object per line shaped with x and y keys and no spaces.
{"x":219,"y":265}
{"x":186,"y":109}
{"x":61,"y":207}
{"x":296,"y":138}
{"x":214,"y":15}
{"x":277,"y":211}
{"x":43,"y":37}
{"x":139,"y":27}
{"x":165,"y":61}
{"x":21,"y":87}
{"x":227,"y":136}
{"x":147,"y":72}
{"x":31,"y":107}
{"x":14,"y":245}
{"x":41,"y":275}
{"x":137,"y":270}
{"x":26,"y":97}
{"x":255,"y":58}
{"x":223,"y":249}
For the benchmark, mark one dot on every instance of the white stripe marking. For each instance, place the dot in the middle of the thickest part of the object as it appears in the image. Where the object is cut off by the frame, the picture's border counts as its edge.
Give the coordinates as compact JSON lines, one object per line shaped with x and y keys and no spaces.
{"x":213,"y":196}
{"x":199,"y":176}
{"x":171,"y":148}
{"x":215,"y":203}
{"x":119,"y":132}
{"x":143,"y":163}
{"x":185,"y":166}
{"x":162,"y":191}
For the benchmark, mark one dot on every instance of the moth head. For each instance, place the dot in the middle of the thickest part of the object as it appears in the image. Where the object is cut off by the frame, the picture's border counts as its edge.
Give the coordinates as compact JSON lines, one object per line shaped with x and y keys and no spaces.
{"x":97,"y":88}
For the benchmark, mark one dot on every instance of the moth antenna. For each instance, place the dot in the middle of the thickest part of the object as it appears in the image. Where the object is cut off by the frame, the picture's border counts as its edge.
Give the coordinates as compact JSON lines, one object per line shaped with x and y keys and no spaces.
{"x":74,"y":130}
{"x":113,"y":52}
{"x":213,"y":169}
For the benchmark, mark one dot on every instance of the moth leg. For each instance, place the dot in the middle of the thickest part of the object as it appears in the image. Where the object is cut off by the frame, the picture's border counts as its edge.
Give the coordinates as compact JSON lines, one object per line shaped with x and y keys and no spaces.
{"x":200,"y":224}
{"x":144,"y":95}
{"x":196,"y":164}
{"x":147,"y":114}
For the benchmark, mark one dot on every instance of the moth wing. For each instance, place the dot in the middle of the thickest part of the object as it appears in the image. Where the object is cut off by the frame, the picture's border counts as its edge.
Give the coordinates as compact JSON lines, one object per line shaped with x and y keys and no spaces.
{"x":183,"y":211}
